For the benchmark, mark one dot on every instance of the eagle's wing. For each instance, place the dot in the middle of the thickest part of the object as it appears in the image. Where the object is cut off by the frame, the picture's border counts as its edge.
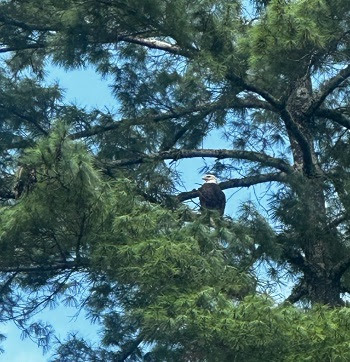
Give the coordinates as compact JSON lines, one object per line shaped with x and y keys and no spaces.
{"x":212,"y":197}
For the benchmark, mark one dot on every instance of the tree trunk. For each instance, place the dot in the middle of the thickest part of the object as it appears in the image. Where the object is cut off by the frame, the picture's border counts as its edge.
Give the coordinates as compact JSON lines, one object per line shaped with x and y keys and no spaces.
{"x":315,"y":241}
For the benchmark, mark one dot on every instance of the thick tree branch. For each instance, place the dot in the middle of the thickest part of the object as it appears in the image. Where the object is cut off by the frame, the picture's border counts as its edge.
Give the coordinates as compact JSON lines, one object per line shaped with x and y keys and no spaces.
{"x":294,"y":257}
{"x":340,"y":268}
{"x":128,"y":350}
{"x":154,"y":43}
{"x":243,"y":182}
{"x":334,"y":115}
{"x":18,"y":144}
{"x":23,"y":25}
{"x":220,"y":154}
{"x":252,"y":102}
{"x":297,"y":293}
{"x":302,"y":142}
{"x":23,"y":47}
{"x":68,"y":265}
{"x":269,"y":98}
{"x":328,"y":87}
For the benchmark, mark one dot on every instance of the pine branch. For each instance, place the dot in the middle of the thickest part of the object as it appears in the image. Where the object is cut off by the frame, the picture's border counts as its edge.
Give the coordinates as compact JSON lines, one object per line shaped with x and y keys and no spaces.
{"x":268,"y":97}
{"x":23,"y":47}
{"x":153,"y":43}
{"x":328,"y":87}
{"x":335,"y":116}
{"x":4,"y":287}
{"x":26,"y":118}
{"x":68,"y":265}
{"x":220,"y":154}
{"x":23,"y":25}
{"x":243,"y":182}
{"x":18,"y":144}
{"x":128,"y":350}
{"x":205,"y":109}
{"x":146,"y":119}
{"x":173,"y":139}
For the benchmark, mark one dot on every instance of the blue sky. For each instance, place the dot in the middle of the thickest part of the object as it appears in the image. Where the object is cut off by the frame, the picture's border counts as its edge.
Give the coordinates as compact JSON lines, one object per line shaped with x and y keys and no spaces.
{"x":86,"y":88}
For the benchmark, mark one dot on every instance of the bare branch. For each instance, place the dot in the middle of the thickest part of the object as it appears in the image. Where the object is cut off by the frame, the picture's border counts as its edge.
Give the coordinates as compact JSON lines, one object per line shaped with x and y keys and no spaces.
{"x":220,"y":154}
{"x":243,"y":182}
{"x":154,"y":43}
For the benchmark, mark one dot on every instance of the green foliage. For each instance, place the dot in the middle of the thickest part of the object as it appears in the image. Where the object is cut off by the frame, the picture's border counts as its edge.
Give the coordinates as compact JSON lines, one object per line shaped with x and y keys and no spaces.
{"x":100,"y":225}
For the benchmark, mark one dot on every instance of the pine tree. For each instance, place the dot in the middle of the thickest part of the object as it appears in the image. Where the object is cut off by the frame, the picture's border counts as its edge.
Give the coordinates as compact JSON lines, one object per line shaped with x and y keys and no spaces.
{"x":89,"y":201}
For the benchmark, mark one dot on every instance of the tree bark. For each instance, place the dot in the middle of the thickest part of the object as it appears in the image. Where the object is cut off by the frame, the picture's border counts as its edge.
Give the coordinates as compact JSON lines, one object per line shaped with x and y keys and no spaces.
{"x":320,"y":283}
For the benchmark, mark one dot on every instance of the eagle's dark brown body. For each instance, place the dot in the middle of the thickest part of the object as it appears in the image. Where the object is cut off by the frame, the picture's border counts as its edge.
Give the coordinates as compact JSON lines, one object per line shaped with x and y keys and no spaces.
{"x":212,"y":197}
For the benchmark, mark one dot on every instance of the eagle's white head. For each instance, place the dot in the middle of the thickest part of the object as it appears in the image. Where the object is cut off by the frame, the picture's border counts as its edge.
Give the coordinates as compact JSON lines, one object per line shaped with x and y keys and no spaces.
{"x":210,"y":179}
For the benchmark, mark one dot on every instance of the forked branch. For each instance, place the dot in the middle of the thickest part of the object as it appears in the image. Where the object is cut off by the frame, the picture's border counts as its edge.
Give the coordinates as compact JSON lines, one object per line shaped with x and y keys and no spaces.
{"x":329,"y":86}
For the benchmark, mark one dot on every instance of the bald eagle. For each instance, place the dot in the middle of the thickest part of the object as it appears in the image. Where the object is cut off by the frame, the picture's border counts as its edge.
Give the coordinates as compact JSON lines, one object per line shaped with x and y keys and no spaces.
{"x":211,"y":196}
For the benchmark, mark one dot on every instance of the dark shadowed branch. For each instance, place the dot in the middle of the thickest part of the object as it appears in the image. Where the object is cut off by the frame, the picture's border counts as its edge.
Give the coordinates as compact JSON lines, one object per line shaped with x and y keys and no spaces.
{"x":220,"y":154}
{"x":268,"y":97}
{"x":340,"y":268}
{"x":68,"y":265}
{"x":296,"y":133}
{"x":22,"y":47}
{"x":128,"y":350}
{"x":297,"y":293}
{"x":329,"y":86}
{"x":335,"y":116}
{"x":6,"y":20}
{"x":26,"y":118}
